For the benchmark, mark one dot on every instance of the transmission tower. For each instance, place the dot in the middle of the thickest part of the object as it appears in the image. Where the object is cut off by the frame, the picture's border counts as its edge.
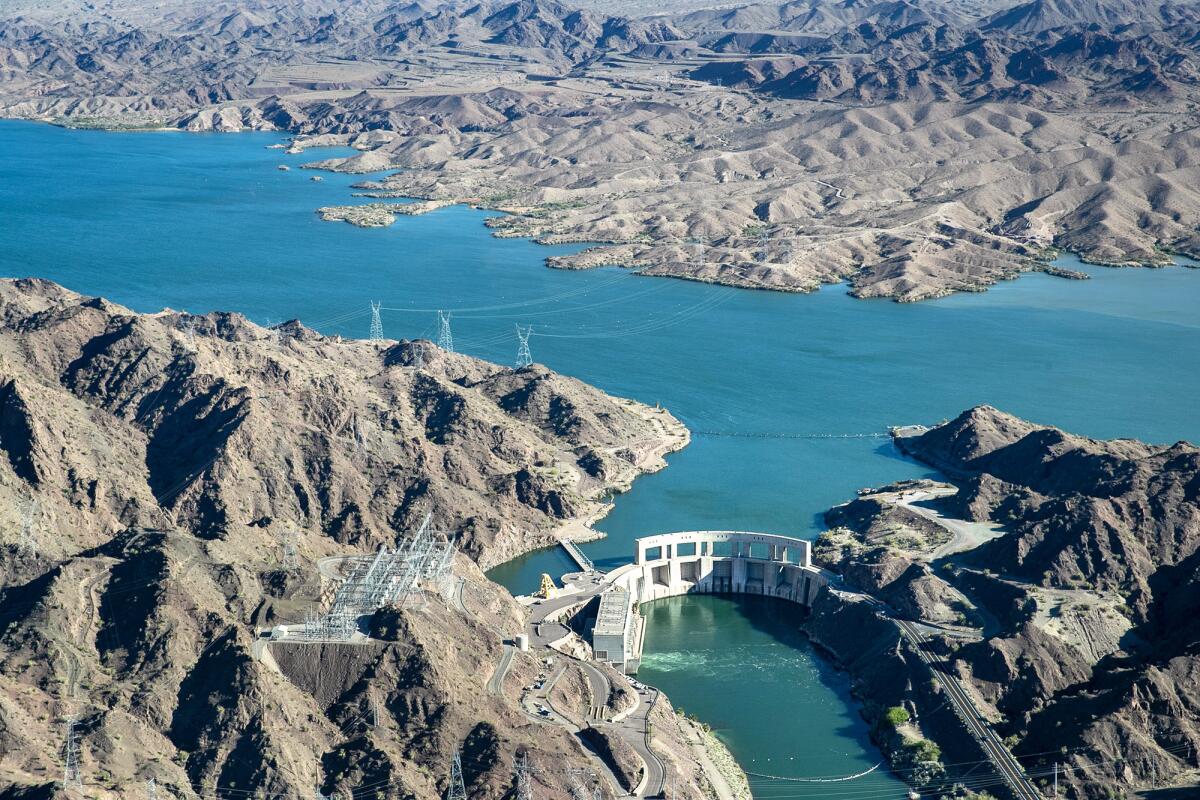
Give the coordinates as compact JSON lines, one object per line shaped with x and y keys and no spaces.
{"x":72,"y":779}
{"x":376,"y":323}
{"x":521,"y":770}
{"x":418,"y":358}
{"x":445,"y":339}
{"x":360,"y":441}
{"x":28,"y":544}
{"x":458,"y":788}
{"x":578,"y":790}
{"x":189,"y":333}
{"x":151,"y":790}
{"x":288,"y":544}
{"x":524,"y":357}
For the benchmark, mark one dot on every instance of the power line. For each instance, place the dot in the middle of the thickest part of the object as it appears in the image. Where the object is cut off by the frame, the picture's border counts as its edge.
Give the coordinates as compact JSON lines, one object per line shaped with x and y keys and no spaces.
{"x":458,"y":788}
{"x":521,"y":770}
{"x":72,"y":777}
{"x":288,"y":544}
{"x":28,"y":543}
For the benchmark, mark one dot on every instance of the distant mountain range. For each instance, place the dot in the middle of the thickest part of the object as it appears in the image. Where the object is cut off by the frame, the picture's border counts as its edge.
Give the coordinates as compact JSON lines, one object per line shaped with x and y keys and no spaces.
{"x":1055,"y":52}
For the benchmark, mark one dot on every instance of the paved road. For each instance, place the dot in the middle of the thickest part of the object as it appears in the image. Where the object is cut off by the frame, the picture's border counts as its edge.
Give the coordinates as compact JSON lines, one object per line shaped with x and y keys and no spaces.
{"x":634,"y":729}
{"x":1004,"y":761}
{"x":495,"y":684}
{"x":601,"y":690}
{"x":966,"y":535}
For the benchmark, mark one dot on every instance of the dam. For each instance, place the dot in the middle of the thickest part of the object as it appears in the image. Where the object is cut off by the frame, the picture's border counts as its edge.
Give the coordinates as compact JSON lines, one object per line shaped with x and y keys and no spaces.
{"x":698,"y":562}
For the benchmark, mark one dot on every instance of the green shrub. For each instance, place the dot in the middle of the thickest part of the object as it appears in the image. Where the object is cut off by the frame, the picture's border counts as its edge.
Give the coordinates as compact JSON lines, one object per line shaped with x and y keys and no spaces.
{"x":896,"y":715}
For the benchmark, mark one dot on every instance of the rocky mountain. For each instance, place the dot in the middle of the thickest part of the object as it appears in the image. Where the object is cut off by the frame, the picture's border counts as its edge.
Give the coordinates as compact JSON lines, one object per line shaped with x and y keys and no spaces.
{"x":152,"y":467}
{"x":1080,"y":512}
{"x":1053,"y":55}
{"x":231,"y":430}
{"x":1082,"y":598}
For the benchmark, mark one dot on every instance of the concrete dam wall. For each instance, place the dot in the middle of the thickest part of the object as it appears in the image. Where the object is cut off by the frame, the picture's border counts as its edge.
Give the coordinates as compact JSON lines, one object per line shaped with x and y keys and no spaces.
{"x":706,"y":562}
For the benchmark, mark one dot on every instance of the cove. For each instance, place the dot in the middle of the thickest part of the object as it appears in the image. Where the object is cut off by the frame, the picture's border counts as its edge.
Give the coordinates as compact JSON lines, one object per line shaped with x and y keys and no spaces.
{"x":207,"y":222}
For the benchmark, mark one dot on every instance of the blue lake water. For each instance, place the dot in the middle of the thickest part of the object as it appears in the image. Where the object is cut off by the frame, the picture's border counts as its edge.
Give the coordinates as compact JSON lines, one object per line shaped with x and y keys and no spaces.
{"x":204,"y":222}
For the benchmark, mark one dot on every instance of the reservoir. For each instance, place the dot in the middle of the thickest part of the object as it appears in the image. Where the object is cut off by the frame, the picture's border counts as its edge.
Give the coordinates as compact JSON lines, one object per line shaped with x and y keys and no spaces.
{"x":766,"y":381}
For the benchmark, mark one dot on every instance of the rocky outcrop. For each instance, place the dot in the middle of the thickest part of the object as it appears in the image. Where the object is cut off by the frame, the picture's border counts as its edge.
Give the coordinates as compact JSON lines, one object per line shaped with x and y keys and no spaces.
{"x":160,"y":460}
{"x":1082,"y":512}
{"x":230,"y":430}
{"x":1093,"y":586}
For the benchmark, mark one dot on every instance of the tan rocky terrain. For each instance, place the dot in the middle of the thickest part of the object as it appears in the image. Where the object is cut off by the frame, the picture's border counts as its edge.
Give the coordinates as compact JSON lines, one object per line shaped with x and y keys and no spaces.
{"x":153,"y":467}
{"x":913,"y":152}
{"x":1084,"y":651}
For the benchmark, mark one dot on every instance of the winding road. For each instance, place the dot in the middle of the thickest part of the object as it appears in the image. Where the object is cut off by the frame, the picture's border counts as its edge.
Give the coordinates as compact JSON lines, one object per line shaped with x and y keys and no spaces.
{"x":495,"y":684}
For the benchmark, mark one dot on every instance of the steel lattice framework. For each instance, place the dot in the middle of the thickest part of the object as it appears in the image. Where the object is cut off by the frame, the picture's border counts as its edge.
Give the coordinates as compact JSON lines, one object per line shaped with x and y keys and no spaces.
{"x":387,"y":578}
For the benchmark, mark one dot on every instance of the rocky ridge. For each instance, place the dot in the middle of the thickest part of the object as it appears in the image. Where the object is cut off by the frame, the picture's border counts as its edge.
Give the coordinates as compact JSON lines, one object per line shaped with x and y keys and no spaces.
{"x":1081,"y":651}
{"x":152,"y":467}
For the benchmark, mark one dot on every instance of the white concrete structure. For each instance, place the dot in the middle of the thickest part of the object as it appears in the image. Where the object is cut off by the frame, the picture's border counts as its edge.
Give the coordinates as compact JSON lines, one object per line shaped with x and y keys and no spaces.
{"x":706,"y":562}
{"x":733,"y":562}
{"x":615,"y":632}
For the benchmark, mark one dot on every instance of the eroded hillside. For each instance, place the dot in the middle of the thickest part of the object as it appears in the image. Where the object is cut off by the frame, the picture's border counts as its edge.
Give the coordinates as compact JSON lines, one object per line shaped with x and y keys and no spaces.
{"x":1058,"y":577}
{"x":153,"y":468}
{"x":910,"y":151}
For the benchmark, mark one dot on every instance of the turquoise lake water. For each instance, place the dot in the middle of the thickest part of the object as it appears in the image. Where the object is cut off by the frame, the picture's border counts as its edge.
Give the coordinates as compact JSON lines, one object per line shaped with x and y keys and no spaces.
{"x":204,"y":222}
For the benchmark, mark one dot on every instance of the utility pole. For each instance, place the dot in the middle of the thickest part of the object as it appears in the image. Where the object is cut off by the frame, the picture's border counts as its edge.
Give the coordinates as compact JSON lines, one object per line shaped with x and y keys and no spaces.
{"x":72,"y":779}
{"x":445,"y":339}
{"x":524,"y":357}
{"x":360,"y":441}
{"x":189,"y":333}
{"x":1056,"y":779}
{"x":376,"y":322}
{"x":458,"y":788}
{"x":579,"y":790}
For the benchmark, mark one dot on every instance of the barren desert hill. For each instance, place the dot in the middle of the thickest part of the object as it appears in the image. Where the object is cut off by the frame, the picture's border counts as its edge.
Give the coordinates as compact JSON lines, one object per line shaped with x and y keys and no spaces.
{"x":155,"y":470}
{"x":913,"y":151}
{"x":1066,"y":584}
{"x":229,"y":430}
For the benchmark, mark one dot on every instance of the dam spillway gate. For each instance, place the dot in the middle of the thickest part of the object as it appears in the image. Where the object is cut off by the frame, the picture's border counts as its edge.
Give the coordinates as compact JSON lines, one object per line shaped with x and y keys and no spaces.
{"x":699,"y":562}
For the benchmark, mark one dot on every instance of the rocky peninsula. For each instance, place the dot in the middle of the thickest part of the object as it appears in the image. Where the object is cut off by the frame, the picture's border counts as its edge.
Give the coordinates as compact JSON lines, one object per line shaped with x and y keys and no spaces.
{"x":1054,"y":577}
{"x":157,"y":467}
{"x":911,"y":152}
